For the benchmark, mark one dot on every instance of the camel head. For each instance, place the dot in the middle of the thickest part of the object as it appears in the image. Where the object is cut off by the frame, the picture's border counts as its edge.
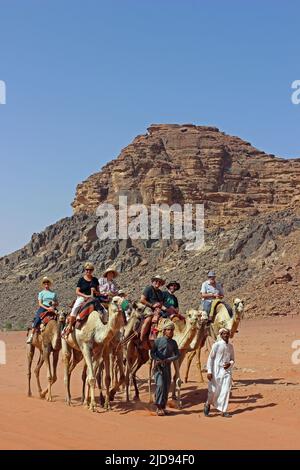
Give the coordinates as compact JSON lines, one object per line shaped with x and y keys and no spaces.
{"x":140,"y":310}
{"x":238,"y":306}
{"x":193,"y":318}
{"x":115,"y":309}
{"x":61,"y":317}
{"x":238,"y":309}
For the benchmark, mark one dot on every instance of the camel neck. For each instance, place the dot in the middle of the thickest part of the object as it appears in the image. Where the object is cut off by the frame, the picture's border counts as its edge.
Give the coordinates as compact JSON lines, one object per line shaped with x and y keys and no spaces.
{"x":185,"y":338}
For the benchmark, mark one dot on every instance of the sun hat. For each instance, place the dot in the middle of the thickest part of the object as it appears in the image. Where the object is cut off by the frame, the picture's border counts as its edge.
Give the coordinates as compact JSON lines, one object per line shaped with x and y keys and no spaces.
{"x":173,"y":283}
{"x":157,"y":277}
{"x":111,"y":269}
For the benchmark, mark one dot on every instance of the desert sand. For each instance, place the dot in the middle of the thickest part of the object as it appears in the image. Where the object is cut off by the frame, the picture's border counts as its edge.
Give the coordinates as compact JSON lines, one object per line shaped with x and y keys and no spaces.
{"x":264,"y":403}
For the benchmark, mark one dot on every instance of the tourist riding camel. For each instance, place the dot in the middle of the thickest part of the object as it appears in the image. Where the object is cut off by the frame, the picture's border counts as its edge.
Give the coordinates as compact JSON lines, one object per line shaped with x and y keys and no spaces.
{"x":152,"y":297}
{"x":170,"y":307}
{"x":210,"y":291}
{"x":48,"y":301}
{"x":107,"y":285}
{"x":87,"y":287}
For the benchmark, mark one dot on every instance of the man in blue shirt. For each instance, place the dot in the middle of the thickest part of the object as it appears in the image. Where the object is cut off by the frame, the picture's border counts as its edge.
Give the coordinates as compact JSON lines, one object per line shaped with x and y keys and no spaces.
{"x":210,"y":290}
{"x":164,"y":351}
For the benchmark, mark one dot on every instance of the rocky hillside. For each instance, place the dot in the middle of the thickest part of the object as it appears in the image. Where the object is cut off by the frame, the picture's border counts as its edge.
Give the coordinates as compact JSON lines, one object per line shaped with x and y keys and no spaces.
{"x":252,"y":218}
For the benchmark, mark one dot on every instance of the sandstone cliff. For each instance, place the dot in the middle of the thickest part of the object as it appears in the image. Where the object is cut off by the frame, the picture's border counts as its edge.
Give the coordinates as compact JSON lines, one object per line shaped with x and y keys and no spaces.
{"x":194,"y":164}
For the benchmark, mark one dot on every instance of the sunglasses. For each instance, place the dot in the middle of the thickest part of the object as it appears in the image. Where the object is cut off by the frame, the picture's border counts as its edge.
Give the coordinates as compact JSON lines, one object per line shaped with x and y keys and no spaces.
{"x":89,"y":270}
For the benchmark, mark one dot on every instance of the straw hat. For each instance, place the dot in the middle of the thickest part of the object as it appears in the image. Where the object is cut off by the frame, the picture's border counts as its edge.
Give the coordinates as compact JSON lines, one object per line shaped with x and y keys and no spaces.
{"x":111,"y":270}
{"x":158,"y":278}
{"x":46,"y":279}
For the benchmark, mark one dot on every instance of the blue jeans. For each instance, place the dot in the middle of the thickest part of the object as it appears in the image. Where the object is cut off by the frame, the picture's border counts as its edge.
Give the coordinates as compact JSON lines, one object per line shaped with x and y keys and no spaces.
{"x":205,"y":305}
{"x":37,"y":320}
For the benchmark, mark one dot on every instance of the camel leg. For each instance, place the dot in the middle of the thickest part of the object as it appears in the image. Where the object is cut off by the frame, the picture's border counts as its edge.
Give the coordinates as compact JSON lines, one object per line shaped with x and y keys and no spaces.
{"x":83,"y":378}
{"x":30,"y":354}
{"x":199,"y":364}
{"x":99,"y":377}
{"x":138,"y":365}
{"x":190,"y":358}
{"x":55,"y":362}
{"x":127,"y":383}
{"x":37,"y":373}
{"x":149,"y":380}
{"x":178,"y":383}
{"x":47,"y":360}
{"x":67,"y":374}
{"x":91,"y":379}
{"x":107,"y":381}
{"x":131,"y":357}
{"x":120,"y":379}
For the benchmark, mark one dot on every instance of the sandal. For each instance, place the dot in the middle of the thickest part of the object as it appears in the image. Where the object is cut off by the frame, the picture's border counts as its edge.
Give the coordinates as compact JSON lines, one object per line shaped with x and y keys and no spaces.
{"x":160,"y":412}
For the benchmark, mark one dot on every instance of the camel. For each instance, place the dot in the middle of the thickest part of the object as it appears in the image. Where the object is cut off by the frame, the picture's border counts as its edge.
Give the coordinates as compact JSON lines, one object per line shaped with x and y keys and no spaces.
{"x":116,"y":361}
{"x":47,"y":341}
{"x":92,"y":342}
{"x":221,"y":320}
{"x":136,"y":356}
{"x":188,"y":335}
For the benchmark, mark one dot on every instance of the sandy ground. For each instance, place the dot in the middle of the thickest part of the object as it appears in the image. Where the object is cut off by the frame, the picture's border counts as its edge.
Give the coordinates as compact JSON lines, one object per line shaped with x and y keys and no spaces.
{"x":264,"y":403}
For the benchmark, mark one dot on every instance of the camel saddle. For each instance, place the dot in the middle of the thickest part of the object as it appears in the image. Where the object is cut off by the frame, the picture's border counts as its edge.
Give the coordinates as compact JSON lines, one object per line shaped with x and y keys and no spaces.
{"x":87,"y":308}
{"x":213,"y":308}
{"x":48,"y":316}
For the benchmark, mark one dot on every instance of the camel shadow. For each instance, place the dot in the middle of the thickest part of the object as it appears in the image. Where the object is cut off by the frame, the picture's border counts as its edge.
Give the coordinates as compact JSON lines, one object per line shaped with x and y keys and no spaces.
{"x":247,"y":382}
{"x":246,"y":399}
{"x":252,"y":408}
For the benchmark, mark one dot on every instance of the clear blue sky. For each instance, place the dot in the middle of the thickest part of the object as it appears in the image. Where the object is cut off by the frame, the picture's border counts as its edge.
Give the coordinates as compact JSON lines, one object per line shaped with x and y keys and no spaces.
{"x":84,"y":77}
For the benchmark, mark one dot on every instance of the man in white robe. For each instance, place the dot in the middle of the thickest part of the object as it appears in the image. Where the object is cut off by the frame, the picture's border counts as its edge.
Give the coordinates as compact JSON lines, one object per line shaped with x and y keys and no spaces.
{"x":219,"y":373}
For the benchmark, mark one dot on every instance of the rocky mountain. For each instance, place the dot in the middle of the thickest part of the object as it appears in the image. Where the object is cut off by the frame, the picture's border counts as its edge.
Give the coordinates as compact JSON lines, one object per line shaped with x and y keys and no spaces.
{"x":252,"y":225}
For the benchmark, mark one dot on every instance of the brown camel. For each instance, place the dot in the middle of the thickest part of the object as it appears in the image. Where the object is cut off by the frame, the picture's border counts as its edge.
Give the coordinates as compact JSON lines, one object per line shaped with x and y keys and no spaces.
{"x":47,"y":341}
{"x":221,"y":320}
{"x":185,"y":334}
{"x":92,"y":341}
{"x":135,"y":355}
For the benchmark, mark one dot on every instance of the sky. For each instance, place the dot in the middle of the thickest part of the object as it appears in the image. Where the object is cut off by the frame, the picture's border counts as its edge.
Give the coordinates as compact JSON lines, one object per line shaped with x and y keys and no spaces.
{"x":83,"y":78}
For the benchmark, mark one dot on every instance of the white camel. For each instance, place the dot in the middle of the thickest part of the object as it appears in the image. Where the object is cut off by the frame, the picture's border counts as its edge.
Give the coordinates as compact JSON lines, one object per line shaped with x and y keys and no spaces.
{"x":92,"y":341}
{"x":222,"y":320}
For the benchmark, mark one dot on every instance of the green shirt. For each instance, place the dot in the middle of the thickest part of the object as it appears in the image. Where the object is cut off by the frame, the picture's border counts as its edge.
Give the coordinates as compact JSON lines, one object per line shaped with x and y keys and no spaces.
{"x":169,"y":300}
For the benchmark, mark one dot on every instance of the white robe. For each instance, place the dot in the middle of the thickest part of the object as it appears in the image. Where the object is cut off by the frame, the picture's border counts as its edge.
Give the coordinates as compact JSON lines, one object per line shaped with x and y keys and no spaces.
{"x":220,"y":385}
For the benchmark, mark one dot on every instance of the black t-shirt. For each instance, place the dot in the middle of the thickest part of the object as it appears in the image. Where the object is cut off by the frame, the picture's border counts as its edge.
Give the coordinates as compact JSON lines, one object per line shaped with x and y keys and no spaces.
{"x":85,"y":286}
{"x":153,"y":295}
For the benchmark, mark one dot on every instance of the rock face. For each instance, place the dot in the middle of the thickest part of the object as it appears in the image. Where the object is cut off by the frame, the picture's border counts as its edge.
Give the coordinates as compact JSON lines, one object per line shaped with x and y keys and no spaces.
{"x":252,"y":221}
{"x":194,"y":164}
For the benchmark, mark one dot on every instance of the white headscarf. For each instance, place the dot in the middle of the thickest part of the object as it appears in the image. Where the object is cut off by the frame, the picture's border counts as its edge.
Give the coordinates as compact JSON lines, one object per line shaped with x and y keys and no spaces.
{"x":223,"y":330}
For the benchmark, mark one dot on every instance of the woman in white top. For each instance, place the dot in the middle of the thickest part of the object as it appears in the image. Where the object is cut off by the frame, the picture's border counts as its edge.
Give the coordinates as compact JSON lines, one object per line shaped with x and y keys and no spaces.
{"x":107,"y":286}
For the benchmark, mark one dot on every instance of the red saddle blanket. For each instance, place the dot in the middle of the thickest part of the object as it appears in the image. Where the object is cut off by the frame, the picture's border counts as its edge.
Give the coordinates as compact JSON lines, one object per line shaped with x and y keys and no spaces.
{"x":47,"y":316}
